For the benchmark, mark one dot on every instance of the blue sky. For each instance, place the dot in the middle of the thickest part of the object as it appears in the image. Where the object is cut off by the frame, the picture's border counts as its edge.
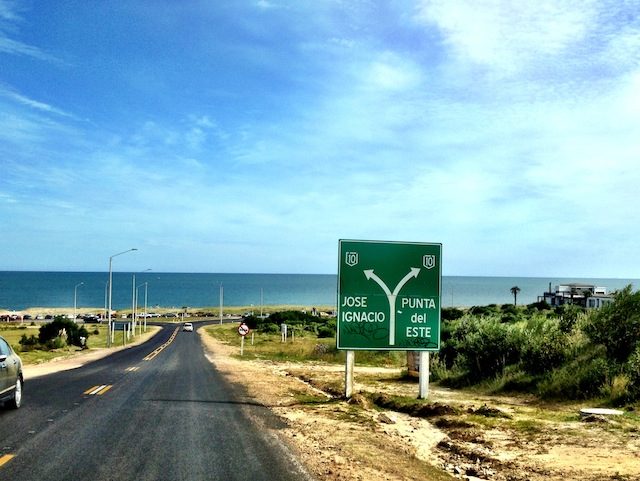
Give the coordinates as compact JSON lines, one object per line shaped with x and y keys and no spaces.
{"x":249,"y":136}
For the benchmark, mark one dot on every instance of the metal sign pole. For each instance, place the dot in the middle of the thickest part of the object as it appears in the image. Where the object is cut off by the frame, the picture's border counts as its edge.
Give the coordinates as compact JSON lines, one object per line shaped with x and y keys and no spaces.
{"x":348,"y":389}
{"x":424,"y":375}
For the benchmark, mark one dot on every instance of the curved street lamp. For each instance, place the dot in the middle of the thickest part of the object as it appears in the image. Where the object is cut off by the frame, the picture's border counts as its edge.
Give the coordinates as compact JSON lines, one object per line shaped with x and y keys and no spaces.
{"x":111,"y":292}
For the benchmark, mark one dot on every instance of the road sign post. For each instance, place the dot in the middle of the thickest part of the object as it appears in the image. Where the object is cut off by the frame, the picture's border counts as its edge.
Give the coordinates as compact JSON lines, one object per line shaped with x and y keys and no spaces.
{"x":389,"y":296}
{"x":243,"y":330}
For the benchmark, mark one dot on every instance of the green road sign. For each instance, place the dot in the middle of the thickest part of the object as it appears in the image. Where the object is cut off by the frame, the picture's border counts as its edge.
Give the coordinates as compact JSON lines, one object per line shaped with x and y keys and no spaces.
{"x":389,"y":296}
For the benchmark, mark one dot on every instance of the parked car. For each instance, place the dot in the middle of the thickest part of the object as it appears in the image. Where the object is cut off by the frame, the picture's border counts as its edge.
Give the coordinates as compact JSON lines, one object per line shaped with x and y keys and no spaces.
{"x":187,"y":326}
{"x":11,"y":380}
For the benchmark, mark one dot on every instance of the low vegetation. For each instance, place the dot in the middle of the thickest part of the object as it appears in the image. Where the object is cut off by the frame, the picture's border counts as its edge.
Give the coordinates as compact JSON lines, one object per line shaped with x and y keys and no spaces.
{"x":561,"y":353}
{"x":554,"y":353}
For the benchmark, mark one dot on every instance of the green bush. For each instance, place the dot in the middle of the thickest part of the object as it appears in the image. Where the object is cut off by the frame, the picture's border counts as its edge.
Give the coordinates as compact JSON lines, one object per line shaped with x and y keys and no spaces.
{"x":269,"y":328}
{"x":632,"y":369}
{"x":569,"y":315}
{"x":326,"y":331}
{"x":486,"y":346}
{"x":56,"y":329}
{"x":581,"y":378}
{"x":451,"y":313}
{"x":544,"y":346}
{"x":616,"y":326}
{"x":28,"y":343}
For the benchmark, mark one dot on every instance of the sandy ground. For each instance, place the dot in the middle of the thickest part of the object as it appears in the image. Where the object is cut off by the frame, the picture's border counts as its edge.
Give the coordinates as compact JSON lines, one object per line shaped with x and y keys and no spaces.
{"x":460,"y":435}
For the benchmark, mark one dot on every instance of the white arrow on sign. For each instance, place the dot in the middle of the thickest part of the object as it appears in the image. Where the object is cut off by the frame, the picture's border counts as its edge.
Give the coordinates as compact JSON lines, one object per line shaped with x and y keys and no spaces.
{"x":391,"y":296}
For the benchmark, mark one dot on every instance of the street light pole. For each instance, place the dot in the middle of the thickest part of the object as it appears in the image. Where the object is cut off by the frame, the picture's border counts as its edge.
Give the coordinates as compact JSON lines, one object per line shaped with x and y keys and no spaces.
{"x":111,"y":290}
{"x":75,"y":300}
{"x":145,"y":306}
{"x":134,"y":304}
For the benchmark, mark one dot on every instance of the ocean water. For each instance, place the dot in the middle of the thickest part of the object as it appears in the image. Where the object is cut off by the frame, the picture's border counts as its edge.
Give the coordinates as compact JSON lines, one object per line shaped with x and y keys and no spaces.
{"x":23,"y":289}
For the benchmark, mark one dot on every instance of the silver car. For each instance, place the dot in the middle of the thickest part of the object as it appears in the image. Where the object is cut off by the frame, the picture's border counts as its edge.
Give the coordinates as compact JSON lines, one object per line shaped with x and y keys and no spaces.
{"x":11,"y":380}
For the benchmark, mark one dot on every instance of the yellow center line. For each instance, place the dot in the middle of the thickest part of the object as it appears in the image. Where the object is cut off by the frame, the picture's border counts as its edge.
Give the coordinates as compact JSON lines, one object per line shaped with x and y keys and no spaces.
{"x":104,"y":390}
{"x":153,"y":354}
{"x":6,"y":458}
{"x":98,"y":390}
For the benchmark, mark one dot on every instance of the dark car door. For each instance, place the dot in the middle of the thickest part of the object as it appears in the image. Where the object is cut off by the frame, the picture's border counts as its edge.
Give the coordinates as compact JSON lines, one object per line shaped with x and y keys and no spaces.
{"x":8,"y":368}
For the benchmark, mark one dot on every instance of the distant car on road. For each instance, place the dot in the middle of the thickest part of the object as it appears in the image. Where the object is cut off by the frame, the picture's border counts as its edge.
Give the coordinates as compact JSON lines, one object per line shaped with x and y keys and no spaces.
{"x":187,"y":326}
{"x":11,"y":379}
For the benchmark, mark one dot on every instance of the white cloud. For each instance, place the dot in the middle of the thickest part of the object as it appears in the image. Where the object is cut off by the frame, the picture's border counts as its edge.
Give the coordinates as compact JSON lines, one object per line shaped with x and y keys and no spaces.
{"x":509,"y":37}
{"x":9,"y":20}
{"x":390,"y":72}
{"x":34,"y":104}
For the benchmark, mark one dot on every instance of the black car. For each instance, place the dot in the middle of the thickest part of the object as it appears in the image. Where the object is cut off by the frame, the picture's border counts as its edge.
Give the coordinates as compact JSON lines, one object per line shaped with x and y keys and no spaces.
{"x":11,"y":380}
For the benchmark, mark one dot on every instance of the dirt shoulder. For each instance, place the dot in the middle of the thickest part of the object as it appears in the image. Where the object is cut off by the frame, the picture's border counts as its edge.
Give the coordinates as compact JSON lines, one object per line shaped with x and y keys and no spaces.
{"x":455,"y":434}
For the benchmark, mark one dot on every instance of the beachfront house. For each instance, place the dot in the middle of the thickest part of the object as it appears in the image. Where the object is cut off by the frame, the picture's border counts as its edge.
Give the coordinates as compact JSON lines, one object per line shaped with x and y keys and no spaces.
{"x":585,"y":295}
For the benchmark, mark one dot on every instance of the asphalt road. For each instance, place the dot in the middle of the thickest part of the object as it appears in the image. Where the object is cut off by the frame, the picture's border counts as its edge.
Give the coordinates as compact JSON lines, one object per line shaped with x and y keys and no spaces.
{"x":171,"y":417}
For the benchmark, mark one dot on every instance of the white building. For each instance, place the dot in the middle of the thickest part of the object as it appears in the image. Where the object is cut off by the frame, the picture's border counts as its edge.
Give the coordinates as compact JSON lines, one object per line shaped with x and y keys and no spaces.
{"x":585,"y":295}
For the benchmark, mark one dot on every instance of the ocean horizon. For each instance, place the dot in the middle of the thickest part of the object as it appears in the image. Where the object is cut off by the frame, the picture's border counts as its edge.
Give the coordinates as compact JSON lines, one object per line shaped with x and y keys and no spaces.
{"x":20,"y":290}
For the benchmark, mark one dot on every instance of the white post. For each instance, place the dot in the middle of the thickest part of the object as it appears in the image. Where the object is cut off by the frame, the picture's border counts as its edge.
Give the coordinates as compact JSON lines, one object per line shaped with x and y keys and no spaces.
{"x":221,"y":297}
{"x":252,"y":337}
{"x":423,"y":381}
{"x":106,"y":286}
{"x":241,"y":345}
{"x":145,"y":306}
{"x":133,"y":304}
{"x":348,"y":378}
{"x":75,"y":301}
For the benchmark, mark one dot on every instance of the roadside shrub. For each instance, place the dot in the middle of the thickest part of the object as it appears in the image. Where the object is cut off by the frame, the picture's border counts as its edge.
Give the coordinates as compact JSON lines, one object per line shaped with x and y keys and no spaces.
{"x":326,"y":331}
{"x":569,"y":315}
{"x":582,"y":378}
{"x":28,"y":343}
{"x":617,"y":325}
{"x":58,"y":329}
{"x":509,"y":318}
{"x":56,"y":343}
{"x":483,"y":310}
{"x":486,"y":346}
{"x":451,"y":313}
{"x":543,"y":346}
{"x":633,"y":374}
{"x":538,"y":306}
{"x":269,"y":328}
{"x":448,"y":345}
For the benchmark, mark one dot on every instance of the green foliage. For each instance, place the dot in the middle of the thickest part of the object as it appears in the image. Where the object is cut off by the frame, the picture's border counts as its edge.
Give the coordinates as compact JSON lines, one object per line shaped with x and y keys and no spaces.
{"x":544,"y":346}
{"x":52,"y":333}
{"x":301,"y":321}
{"x":28,"y":343}
{"x":483,"y":310}
{"x":581,"y":378}
{"x":632,"y":369}
{"x":486,"y":346}
{"x":538,"y":306}
{"x":292,"y":317}
{"x":326,"y":331}
{"x":616,"y":326}
{"x":569,"y":315}
{"x":451,"y":313}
